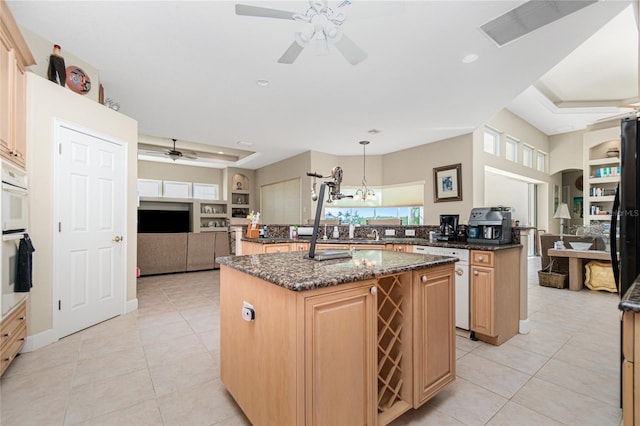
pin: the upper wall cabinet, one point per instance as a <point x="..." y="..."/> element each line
<point x="14" y="58"/>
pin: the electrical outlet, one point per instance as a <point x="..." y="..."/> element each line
<point x="409" y="232"/>
<point x="389" y="232"/>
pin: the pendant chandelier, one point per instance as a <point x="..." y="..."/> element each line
<point x="364" y="193"/>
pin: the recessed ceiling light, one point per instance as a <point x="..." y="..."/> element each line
<point x="471" y="57"/>
<point x="220" y="152"/>
<point x="262" y="83"/>
<point x="373" y="131"/>
<point x="244" y="143"/>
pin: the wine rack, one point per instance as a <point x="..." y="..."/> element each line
<point x="394" y="343"/>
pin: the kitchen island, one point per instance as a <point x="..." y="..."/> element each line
<point x="343" y="341"/>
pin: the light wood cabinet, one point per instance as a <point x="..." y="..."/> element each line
<point x="14" y="58"/>
<point x="404" y="248"/>
<point x="630" y="368"/>
<point x="340" y="344"/>
<point x="495" y="294"/>
<point x="358" y="353"/>
<point x="434" y="331"/>
<point x="13" y="332"/>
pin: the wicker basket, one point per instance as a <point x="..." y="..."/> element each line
<point x="548" y="278"/>
<point x="552" y="279"/>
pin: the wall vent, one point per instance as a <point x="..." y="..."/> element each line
<point x="530" y="16"/>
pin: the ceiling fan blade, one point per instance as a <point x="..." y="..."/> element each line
<point x="350" y="50"/>
<point x="291" y="54"/>
<point x="151" y="148"/>
<point x="190" y="156"/>
<point x="246" y="10"/>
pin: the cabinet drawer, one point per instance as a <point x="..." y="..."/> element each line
<point x="15" y="343"/>
<point x="276" y="248"/>
<point x="12" y="323"/>
<point x="484" y="258"/>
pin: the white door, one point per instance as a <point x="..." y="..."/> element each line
<point x="90" y="262"/>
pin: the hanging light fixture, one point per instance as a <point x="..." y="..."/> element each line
<point x="364" y="193"/>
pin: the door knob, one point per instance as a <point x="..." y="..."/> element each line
<point x="459" y="271"/>
<point x="423" y="278"/>
<point x="475" y="273"/>
<point x="374" y="290"/>
<point x="117" y="238"/>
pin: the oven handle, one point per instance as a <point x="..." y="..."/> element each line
<point x="14" y="236"/>
<point x="12" y="188"/>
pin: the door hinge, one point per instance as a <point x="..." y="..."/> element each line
<point x="59" y="226"/>
<point x="60" y="148"/>
<point x="59" y="305"/>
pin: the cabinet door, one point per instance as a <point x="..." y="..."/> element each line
<point x="434" y="331"/>
<point x="19" y="146"/>
<point x="404" y="248"/>
<point x="482" y="300"/>
<point x="340" y="348"/>
<point x="6" y="91"/>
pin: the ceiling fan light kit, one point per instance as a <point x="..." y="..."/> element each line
<point x="322" y="23"/>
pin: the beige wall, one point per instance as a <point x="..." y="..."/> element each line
<point x="417" y="164"/>
<point x="566" y="151"/>
<point x="178" y="172"/>
<point x="42" y="49"/>
<point x="47" y="101"/>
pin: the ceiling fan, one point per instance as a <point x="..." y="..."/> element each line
<point x="321" y="24"/>
<point x="174" y="154"/>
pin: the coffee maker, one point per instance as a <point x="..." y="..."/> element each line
<point x="490" y="225"/>
<point x="448" y="227"/>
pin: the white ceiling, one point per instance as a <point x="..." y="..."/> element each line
<point x="188" y="70"/>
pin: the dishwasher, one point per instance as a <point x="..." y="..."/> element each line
<point x="462" y="279"/>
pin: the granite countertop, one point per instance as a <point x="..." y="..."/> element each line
<point x="383" y="241"/>
<point x="295" y="272"/>
<point x="631" y="299"/>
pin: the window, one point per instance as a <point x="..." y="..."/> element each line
<point x="511" y="149"/>
<point x="409" y="215"/>
<point x="540" y="160"/>
<point x="527" y="155"/>
<point x="491" y="141"/>
<point x="205" y="191"/>
<point x="149" y="188"/>
<point x="176" y="189"/>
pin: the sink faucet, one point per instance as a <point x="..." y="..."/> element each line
<point x="375" y="232"/>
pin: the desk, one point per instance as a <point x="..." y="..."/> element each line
<point x="575" y="263"/>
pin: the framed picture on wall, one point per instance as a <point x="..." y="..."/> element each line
<point x="447" y="183"/>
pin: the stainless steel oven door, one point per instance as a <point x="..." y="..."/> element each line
<point x="14" y="208"/>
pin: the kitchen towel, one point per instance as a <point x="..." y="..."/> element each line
<point x="24" y="269"/>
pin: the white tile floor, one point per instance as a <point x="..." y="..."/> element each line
<point x="159" y="366"/>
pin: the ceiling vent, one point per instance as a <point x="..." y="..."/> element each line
<point x="530" y="16"/>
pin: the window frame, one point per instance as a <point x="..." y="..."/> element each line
<point x="511" y="141"/>
<point x="527" y="149"/>
<point x="496" y="140"/>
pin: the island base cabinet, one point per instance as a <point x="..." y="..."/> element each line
<point x="339" y="352"/>
<point x="307" y="358"/>
<point x="495" y="294"/>
<point x="434" y="331"/>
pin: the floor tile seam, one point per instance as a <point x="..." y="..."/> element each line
<point x="536" y="410"/>
<point x="578" y="391"/>
<point x="494" y="392"/>
<point x="512" y="367"/>
<point x="119" y="409"/>
<point x="105" y="379"/>
<point x="582" y="394"/>
<point x="578" y="344"/>
<point x="528" y="408"/>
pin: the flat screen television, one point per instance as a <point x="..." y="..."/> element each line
<point x="159" y="221"/>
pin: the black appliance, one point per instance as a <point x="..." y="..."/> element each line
<point x="448" y="227"/>
<point x="625" y="256"/>
<point x="625" y="240"/>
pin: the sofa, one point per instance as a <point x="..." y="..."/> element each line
<point x="561" y="264"/>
